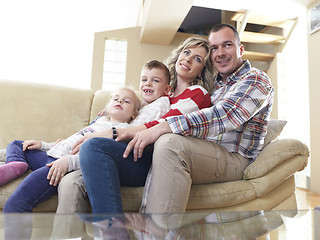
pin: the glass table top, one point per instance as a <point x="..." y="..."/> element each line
<point x="216" y="225"/>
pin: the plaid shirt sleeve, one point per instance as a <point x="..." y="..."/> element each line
<point x="233" y="105"/>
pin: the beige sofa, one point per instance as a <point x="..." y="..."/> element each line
<point x="45" y="112"/>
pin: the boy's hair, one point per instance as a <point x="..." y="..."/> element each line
<point x="157" y="64"/>
<point x="136" y="100"/>
<point x="220" y="26"/>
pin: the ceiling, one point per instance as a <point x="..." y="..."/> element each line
<point x="284" y="8"/>
<point x="198" y="16"/>
<point x="200" y="20"/>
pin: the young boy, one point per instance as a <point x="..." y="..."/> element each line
<point x="154" y="90"/>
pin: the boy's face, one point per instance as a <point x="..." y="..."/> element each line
<point x="121" y="107"/>
<point x="153" y="84"/>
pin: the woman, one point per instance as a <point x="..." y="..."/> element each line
<point x="102" y="164"/>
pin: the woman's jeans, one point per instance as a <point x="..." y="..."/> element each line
<point x="104" y="170"/>
<point x="35" y="188"/>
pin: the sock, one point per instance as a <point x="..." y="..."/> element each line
<point x="12" y="170"/>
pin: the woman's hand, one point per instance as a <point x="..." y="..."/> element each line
<point x="144" y="138"/>
<point x="31" y="144"/>
<point x="77" y="145"/>
<point x="58" y="169"/>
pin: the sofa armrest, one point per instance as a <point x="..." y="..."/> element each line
<point x="2" y="155"/>
<point x="274" y="154"/>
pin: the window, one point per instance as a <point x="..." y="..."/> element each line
<point x="114" y="67"/>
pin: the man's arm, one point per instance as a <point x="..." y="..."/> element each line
<point x="230" y="109"/>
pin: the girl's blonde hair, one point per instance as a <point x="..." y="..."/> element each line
<point x="206" y="80"/>
<point x="136" y="100"/>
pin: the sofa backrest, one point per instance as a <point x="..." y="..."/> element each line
<point x="100" y="100"/>
<point x="41" y="112"/>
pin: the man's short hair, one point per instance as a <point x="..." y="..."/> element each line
<point x="220" y="26"/>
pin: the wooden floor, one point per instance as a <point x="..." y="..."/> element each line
<point x="307" y="199"/>
<point x="302" y="230"/>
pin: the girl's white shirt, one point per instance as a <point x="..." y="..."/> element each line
<point x="147" y="113"/>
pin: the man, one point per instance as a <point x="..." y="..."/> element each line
<point x="214" y="144"/>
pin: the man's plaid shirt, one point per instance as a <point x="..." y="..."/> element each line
<point x="238" y="116"/>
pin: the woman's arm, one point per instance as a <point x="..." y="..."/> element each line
<point x="125" y="134"/>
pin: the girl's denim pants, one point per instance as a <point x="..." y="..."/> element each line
<point x="35" y="188"/>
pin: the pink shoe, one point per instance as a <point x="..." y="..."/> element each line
<point x="12" y="170"/>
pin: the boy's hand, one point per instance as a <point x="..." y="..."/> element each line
<point x="58" y="169"/>
<point x="59" y="140"/>
<point x="102" y="113"/>
<point x="76" y="147"/>
<point x="31" y="144"/>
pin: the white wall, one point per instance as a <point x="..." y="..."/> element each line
<point x="52" y="41"/>
<point x="314" y="73"/>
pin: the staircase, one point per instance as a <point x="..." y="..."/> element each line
<point x="266" y="34"/>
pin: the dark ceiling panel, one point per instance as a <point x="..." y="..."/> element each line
<point x="200" y="20"/>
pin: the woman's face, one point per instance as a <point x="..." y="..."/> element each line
<point x="190" y="63"/>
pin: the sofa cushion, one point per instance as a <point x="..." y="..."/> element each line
<point x="274" y="154"/>
<point x="100" y="100"/>
<point x="41" y="112"/>
<point x="2" y="155"/>
<point x="277" y="175"/>
<point x="274" y="128"/>
<point x="214" y="195"/>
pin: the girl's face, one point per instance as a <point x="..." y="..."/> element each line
<point x="190" y="63"/>
<point x="121" y="107"/>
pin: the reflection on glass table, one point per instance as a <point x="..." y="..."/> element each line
<point x="216" y="225"/>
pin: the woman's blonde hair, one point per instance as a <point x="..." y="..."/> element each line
<point x="206" y="79"/>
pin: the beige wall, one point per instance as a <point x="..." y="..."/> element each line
<point x="138" y="54"/>
<point x="314" y="84"/>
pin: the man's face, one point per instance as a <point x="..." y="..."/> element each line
<point x="226" y="53"/>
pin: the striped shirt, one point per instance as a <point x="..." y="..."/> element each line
<point x="192" y="99"/>
<point x="238" y="117"/>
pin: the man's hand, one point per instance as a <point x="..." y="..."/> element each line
<point x="135" y="221"/>
<point x="31" y="144"/>
<point x="144" y="138"/>
<point x="58" y="169"/>
<point x="77" y="145"/>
